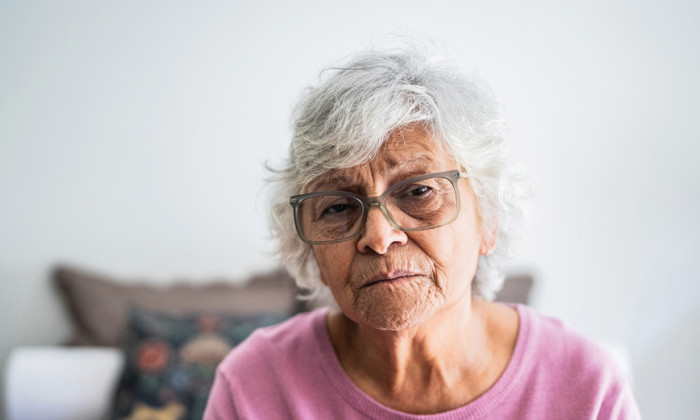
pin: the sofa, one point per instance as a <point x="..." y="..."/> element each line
<point x="143" y="351"/>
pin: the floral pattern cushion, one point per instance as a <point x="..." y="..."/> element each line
<point x="171" y="361"/>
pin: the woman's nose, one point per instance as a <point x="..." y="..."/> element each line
<point x="378" y="234"/>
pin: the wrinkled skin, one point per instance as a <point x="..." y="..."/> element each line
<point x="431" y="270"/>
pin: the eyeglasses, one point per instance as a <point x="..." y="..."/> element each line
<point x="419" y="203"/>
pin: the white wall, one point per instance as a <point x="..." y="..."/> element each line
<point x="132" y="138"/>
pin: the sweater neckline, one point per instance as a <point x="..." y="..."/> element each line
<point x="367" y="406"/>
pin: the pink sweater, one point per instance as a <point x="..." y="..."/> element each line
<point x="291" y="371"/>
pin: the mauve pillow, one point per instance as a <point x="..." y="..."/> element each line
<point x="516" y="289"/>
<point x="98" y="305"/>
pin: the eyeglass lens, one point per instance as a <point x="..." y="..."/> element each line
<point x="419" y="205"/>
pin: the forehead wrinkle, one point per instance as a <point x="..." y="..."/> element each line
<point x="418" y="160"/>
<point x="403" y="155"/>
<point x="394" y="169"/>
<point x="328" y="181"/>
<point x="338" y="179"/>
<point x="419" y="164"/>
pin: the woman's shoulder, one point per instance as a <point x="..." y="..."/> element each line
<point x="267" y="345"/>
<point x="572" y="365"/>
<point x="553" y="339"/>
<point x="256" y="374"/>
<point x="574" y="376"/>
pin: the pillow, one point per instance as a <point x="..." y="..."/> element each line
<point x="170" y="361"/>
<point x="98" y="305"/>
<point x="516" y="289"/>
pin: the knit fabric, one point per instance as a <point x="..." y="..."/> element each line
<point x="291" y="371"/>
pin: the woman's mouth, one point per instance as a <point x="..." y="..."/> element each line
<point x="392" y="277"/>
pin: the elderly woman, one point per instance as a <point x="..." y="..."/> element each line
<point x="404" y="205"/>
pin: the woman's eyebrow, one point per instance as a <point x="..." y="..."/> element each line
<point x="417" y="165"/>
<point x="418" y="158"/>
<point x="399" y="170"/>
<point x="330" y="182"/>
<point x="411" y="172"/>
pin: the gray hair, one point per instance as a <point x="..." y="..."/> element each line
<point x="344" y="121"/>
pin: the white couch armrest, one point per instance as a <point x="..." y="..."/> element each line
<point x="52" y="383"/>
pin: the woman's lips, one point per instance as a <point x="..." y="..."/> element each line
<point x="389" y="277"/>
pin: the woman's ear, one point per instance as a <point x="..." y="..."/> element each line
<point x="488" y="242"/>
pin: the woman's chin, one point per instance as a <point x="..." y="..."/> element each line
<point x="394" y="306"/>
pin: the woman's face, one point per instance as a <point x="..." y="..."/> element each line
<point x="387" y="278"/>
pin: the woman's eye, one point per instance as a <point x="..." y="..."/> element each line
<point x="416" y="190"/>
<point x="335" y="209"/>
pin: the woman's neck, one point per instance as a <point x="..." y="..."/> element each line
<point x="439" y="365"/>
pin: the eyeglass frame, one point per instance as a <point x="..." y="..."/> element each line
<point x="367" y="202"/>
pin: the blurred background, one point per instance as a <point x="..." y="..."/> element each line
<point x="133" y="138"/>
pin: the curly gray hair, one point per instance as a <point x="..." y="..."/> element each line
<point x="344" y="121"/>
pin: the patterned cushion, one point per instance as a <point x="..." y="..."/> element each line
<point x="171" y="361"/>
